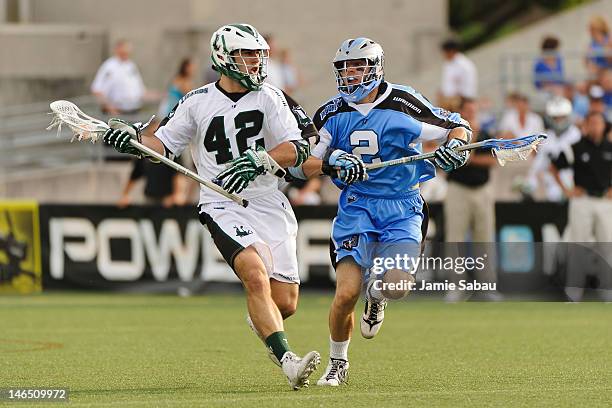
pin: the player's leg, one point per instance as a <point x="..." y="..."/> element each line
<point x="285" y="296"/>
<point x="267" y="318"/>
<point x="263" y="311"/>
<point x="400" y="244"/>
<point x="246" y="254"/>
<point x="341" y="321"/>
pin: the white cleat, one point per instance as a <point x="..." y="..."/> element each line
<point x="268" y="349"/>
<point x="335" y="374"/>
<point x="299" y="369"/>
<point x="372" y="317"/>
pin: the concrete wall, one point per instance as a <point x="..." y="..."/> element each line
<point x="47" y="61"/>
<point x="408" y="30"/>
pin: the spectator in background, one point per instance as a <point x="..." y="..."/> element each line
<point x="605" y="80"/>
<point x="562" y="134"/>
<point x="590" y="198"/>
<point x="275" y="69"/>
<point x="590" y="206"/>
<point x="600" y="48"/>
<point x="597" y="103"/>
<point x="291" y="75"/>
<point x="118" y="85"/>
<point x="302" y="192"/>
<point x="577" y="94"/>
<point x="469" y="207"/>
<point x="520" y="120"/>
<point x="181" y="84"/>
<point x="548" y="71"/>
<point x="162" y="185"/>
<point x="459" y="77"/>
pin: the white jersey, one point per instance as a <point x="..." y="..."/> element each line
<point x="219" y="127"/>
<point x="540" y="168"/>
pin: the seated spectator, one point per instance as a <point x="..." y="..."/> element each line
<point x="577" y="94"/>
<point x="520" y="121"/>
<point x="181" y="84"/>
<point x="605" y="80"/>
<point x="548" y="69"/>
<point x="600" y="49"/>
<point x="597" y="103"/>
<point x="459" y="77"/>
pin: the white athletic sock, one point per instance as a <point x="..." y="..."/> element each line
<point x="338" y="349"/>
<point x="372" y="292"/>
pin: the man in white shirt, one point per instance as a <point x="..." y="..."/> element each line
<point x="520" y="120"/>
<point x="118" y="84"/>
<point x="459" y="77"/>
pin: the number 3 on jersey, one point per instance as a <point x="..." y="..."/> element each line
<point x="248" y="124"/>
<point x="365" y="143"/>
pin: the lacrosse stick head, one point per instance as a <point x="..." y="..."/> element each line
<point x="83" y="126"/>
<point x="515" y="149"/>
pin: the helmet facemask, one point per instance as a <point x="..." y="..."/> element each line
<point x="356" y="78"/>
<point x="249" y="67"/>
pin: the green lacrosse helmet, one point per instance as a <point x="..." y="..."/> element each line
<point x="226" y="45"/>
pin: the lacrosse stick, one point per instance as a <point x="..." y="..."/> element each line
<point x="87" y="128"/>
<point x="504" y="150"/>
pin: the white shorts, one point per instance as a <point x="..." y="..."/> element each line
<point x="268" y="224"/>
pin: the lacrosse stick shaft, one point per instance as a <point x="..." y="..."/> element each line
<point x="423" y="156"/>
<point x="188" y="173"/>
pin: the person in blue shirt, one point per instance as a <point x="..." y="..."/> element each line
<point x="548" y="69"/>
<point x="380" y="212"/>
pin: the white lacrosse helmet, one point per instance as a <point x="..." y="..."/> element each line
<point x="373" y="56"/>
<point x="227" y="44"/>
<point x="558" y="107"/>
<point x="558" y="113"/>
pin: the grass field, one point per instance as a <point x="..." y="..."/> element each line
<point x="119" y="350"/>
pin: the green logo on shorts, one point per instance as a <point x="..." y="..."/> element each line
<point x="241" y="232"/>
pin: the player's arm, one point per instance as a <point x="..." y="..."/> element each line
<point x="332" y="162"/>
<point x="172" y="136"/>
<point x="291" y="132"/>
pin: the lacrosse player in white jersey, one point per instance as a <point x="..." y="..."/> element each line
<point x="243" y="133"/>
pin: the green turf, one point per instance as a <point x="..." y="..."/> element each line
<point x="112" y="350"/>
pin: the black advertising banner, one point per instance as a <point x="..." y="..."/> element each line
<point x="103" y="247"/>
<point x="153" y="249"/>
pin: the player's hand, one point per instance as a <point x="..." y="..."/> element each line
<point x="447" y="158"/>
<point x="344" y="166"/>
<point x="241" y="171"/>
<point x="119" y="135"/>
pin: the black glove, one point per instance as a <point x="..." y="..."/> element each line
<point x="119" y="135"/>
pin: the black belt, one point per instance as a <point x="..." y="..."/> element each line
<point x="596" y="193"/>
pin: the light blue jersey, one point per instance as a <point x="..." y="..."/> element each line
<point x="387" y="208"/>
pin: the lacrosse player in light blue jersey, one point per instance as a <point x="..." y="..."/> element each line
<point x="380" y="213"/>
